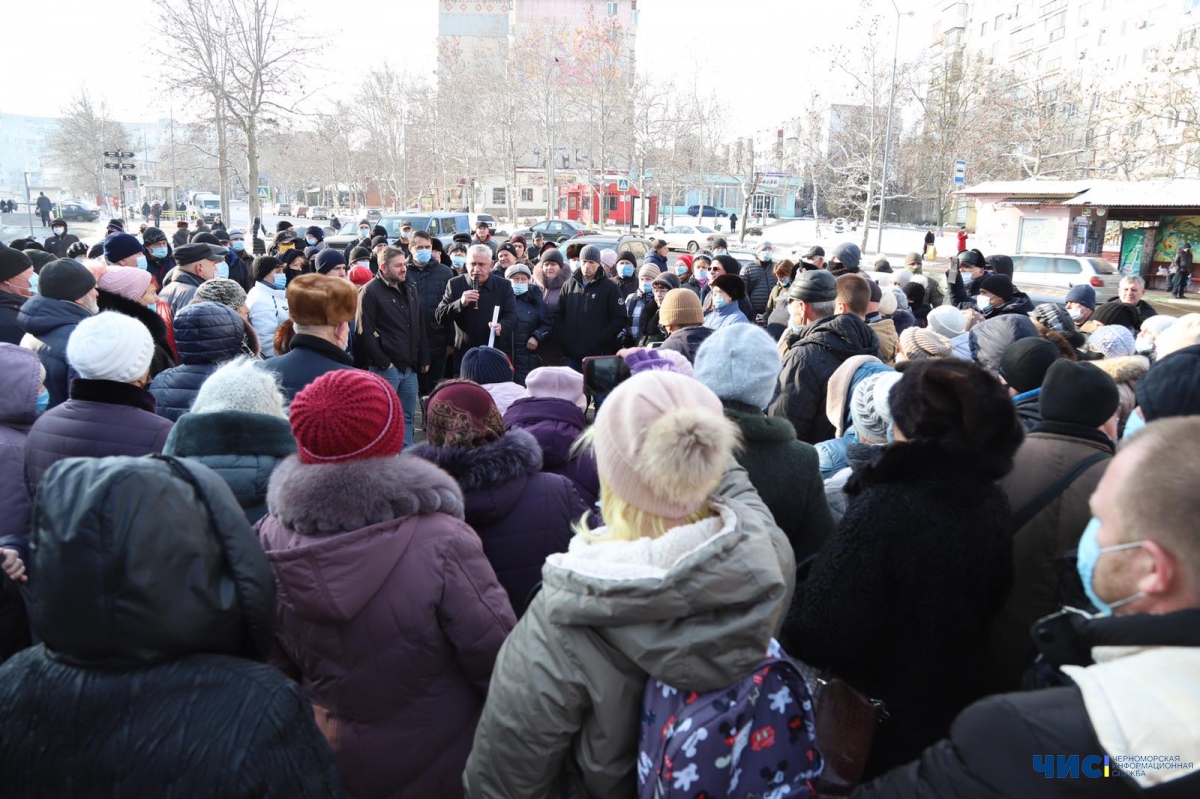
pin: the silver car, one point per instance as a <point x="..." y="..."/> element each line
<point x="1047" y="277"/>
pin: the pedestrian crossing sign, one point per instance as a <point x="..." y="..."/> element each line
<point x="264" y="192"/>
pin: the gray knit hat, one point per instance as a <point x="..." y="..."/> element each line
<point x="814" y="285"/>
<point x="848" y="254"/>
<point x="740" y="363"/>
<point x="517" y="269"/>
<point x="869" y="406"/>
<point x="590" y="253"/>
<point x="222" y="291"/>
<point x="240" y="385"/>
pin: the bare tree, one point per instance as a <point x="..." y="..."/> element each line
<point x="79" y="141"/>
<point x="382" y="109"/>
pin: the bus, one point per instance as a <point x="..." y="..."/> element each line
<point x="203" y="205"/>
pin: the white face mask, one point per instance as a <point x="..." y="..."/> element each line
<point x="983" y="302"/>
<point x="1076" y="314"/>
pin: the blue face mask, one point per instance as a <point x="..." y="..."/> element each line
<point x="238" y="246"/>
<point x="281" y="281"/>
<point x="647" y="287"/>
<point x="141" y="262"/>
<point x="795" y="328"/>
<point x="718" y="301"/>
<point x="153" y="306"/>
<point x="520" y="288"/>
<point x="1134" y="423"/>
<point x="33" y="283"/>
<point x="766" y="256"/>
<point x="720" y="252"/>
<point x="681" y="270"/>
<point x="702" y="276"/>
<point x="423" y="256"/>
<point x="966" y="278"/>
<point x="459" y="261"/>
<point x="363" y="232"/>
<point x="222" y="269"/>
<point x="785" y="283"/>
<point x="1085" y="561"/>
<point x="312" y="242"/>
<point x="159" y="252"/>
<point x="43" y="400"/>
<point x="626" y="270"/>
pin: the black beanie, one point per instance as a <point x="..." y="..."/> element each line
<point x="554" y="255"/>
<point x="282" y="225"/>
<point x="66" y="279"/>
<point x="205" y="238"/>
<point x="1172" y="386"/>
<point x="1024" y="364"/>
<point x="265" y="265"/>
<point x="731" y="265"/>
<point x="13" y="262"/>
<point x="1118" y="313"/>
<point x="731" y="285"/>
<point x="999" y="285"/>
<point x="40" y="259"/>
<point x="1078" y="393"/>
<point x="359" y="253"/>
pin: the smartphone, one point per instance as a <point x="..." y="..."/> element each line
<point x="603" y="373"/>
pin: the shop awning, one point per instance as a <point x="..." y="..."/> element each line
<point x="1179" y="193"/>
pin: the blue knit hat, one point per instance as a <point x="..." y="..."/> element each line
<point x="119" y="246"/>
<point x="485" y="365"/>
<point x="1084" y="294"/>
<point x="740" y="363"/>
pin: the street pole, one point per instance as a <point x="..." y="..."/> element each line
<point x="887" y="143"/>
<point x="174" y="202"/>
<point x="29" y="201"/>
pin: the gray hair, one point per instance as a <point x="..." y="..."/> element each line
<point x="483" y="248"/>
<point x="820" y="310"/>
<point x="1134" y="279"/>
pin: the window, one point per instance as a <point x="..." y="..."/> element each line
<point x="1054" y="65"/>
<point x="610" y="202"/>
<point x="499" y="196"/>
<point x="633" y="16"/>
<point x="983" y="29"/>
<point x="1135" y="129"/>
<point x="448" y="226"/>
<point x="638" y="248"/>
<point x="1148" y="55"/>
<point x="1067" y="266"/>
<point x="1187" y="39"/>
<point x="1031" y="263"/>
<point x="998" y="23"/>
<point x="526" y="195"/>
<point x="434" y="230"/>
<point x="612" y="9"/>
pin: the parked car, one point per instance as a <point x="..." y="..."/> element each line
<point x="439" y="224"/>
<point x="74" y="211"/>
<point x="318" y="212"/>
<point x="338" y="239"/>
<point x="555" y="230"/>
<point x="709" y="210"/>
<point x="637" y="245"/>
<point x="1047" y="277"/>
<point x="744" y="257"/>
<point x="373" y="213"/>
<point x="692" y="238"/>
<point x="283" y="209"/>
<point x="487" y="219"/>
<point x="302" y="211"/>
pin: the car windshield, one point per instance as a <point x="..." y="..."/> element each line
<point x="393" y="224"/>
<point x="349" y="229"/>
<point x="1102" y="267"/>
<point x="210" y="203"/>
<point x="702" y="229"/>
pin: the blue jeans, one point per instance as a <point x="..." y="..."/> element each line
<point x="405" y="383"/>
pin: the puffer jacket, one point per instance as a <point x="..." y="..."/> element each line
<point x="1019" y="304"/>
<point x="1044" y="572"/>
<point x="48" y="325"/>
<point x="388" y="615"/>
<point x="521" y="513"/>
<point x="10" y="307"/>
<point x="589" y="318"/>
<point x="533" y="321"/>
<point x="150" y="643"/>
<point x="759" y="278"/>
<point x="813" y="355"/>
<point x="206" y="334"/>
<point x="179" y="290"/>
<point x="18" y="398"/>
<point x="565" y="706"/>
<point x="990" y="338"/>
<point x="268" y="310"/>
<point x="687" y="341"/>
<point x="101" y="419"/>
<point x="243" y="448"/>
<point x="556" y="424"/>
<point x="430" y="282"/>
<point x="164" y="355"/>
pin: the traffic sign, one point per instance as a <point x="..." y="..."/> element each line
<point x="125" y="154"/>
<point x="112" y="165"/>
<point x="128" y="166"/>
<point x="623" y="184"/>
<point x="117" y="154"/>
<point x="264" y="192"/>
<point x="960" y="173"/>
<point x="128" y="177"/>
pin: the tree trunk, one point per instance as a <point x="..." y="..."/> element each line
<point x="251" y="170"/>
<point x="222" y="159"/>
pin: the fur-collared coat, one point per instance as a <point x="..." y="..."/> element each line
<point x="389" y="616"/>
<point x="521" y="513"/>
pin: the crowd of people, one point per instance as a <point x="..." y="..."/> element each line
<point x="418" y="518"/>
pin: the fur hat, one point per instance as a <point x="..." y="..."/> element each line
<point x="65" y="279"/>
<point x="920" y="343"/>
<point x="870" y="408"/>
<point x="460" y="413"/>
<point x="110" y="346"/>
<point x="126" y="281"/>
<point x="486" y="365"/>
<point x="740" y="363"/>
<point x="731" y="285"/>
<point x="662" y="443"/>
<point x="321" y="300"/>
<point x="347" y="415"/>
<point x="241" y="385"/>
<point x="1113" y="341"/>
<point x="948" y="321"/>
<point x="1078" y="393"/>
<point x="557" y="382"/>
<point x="681" y="308"/>
<point x="222" y="291"/>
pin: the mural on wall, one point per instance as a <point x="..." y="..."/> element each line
<point x="1174" y="231"/>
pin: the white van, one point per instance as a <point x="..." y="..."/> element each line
<point x="204" y="206"/>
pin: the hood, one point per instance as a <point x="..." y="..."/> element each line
<point x="554" y="423"/>
<point x="486" y="473"/>
<point x="200" y="435"/>
<point x="1029" y="407"/>
<point x="991" y="337"/>
<point x="113" y="591"/>
<point x="757" y="426"/>
<point x="357" y="519"/>
<point x="844" y="335"/>
<point x="40" y="315"/>
<point x="841" y="387"/>
<point x="22" y="372"/>
<point x="693" y="608"/>
<point x="687" y="341"/>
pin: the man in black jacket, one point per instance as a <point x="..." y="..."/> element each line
<point x="321" y="309"/>
<point x="469" y="301"/>
<point x="430" y="276"/>
<point x="589" y="316"/>
<point x="43" y="208"/>
<point x="61" y="240"/>
<point x="391" y="333"/>
<point x="1122" y="723"/>
<point x="159" y="260"/>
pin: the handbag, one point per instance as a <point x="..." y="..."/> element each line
<point x="846" y="723"/>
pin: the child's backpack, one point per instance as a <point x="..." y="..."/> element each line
<point x="753" y="739"/>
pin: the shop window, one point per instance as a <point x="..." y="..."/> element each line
<point x="499" y="196"/>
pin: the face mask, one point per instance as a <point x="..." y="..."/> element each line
<point x="58" y="231"/>
<point x="966" y="278"/>
<point x="33" y="283"/>
<point x="574" y="263"/>
<point x="718" y="302"/>
<point x="312" y="242"/>
<point x="1134" y="423"/>
<point x="702" y="276"/>
<point x="363" y="232"/>
<point x="785" y="283"/>
<point x="159" y="252"/>
<point x="766" y="256"/>
<point x="1085" y="561"/>
<point x="43" y="400"/>
<point x="152" y="306"/>
<point x="423" y="256"/>
<point x="681" y="270"/>
<point x="280" y="281"/>
<point x="1076" y="314"/>
<point x="720" y="252"/>
<point x="404" y="234"/>
<point x="286" y="247"/>
<point x="223" y="270"/>
<point x="141" y="262"/>
<point x="238" y="246"/>
<point x="647" y="288"/>
<point x="520" y="288"/>
<point x="795" y="328"/>
<point x="459" y="261"/>
<point x="983" y="303"/>
<point x="626" y="270"/>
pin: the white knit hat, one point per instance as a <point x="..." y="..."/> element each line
<point x="110" y="346"/>
<point x="870" y="407"/>
<point x="948" y="321"/>
<point x="240" y="385"/>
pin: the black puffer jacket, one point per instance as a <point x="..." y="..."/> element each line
<point x="1019" y="304"/>
<point x="533" y="321"/>
<point x="759" y="278"/>
<point x="589" y="318"/>
<point x="10" y="306"/>
<point x="146" y="682"/>
<point x="163" y="357"/>
<point x="206" y="334"/>
<point x="813" y="355"/>
<point x="687" y="341"/>
<point x="430" y="282"/>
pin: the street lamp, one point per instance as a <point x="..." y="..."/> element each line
<point x="887" y="143"/>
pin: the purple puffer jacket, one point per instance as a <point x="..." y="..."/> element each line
<point x="520" y="513"/>
<point x="556" y="424"/>
<point x="101" y="418"/>
<point x="389" y="616"/>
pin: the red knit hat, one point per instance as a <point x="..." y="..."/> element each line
<point x="347" y="415"/>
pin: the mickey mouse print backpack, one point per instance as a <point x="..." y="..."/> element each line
<point x="753" y="740"/>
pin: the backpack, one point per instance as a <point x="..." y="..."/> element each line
<point x="755" y="739"/>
